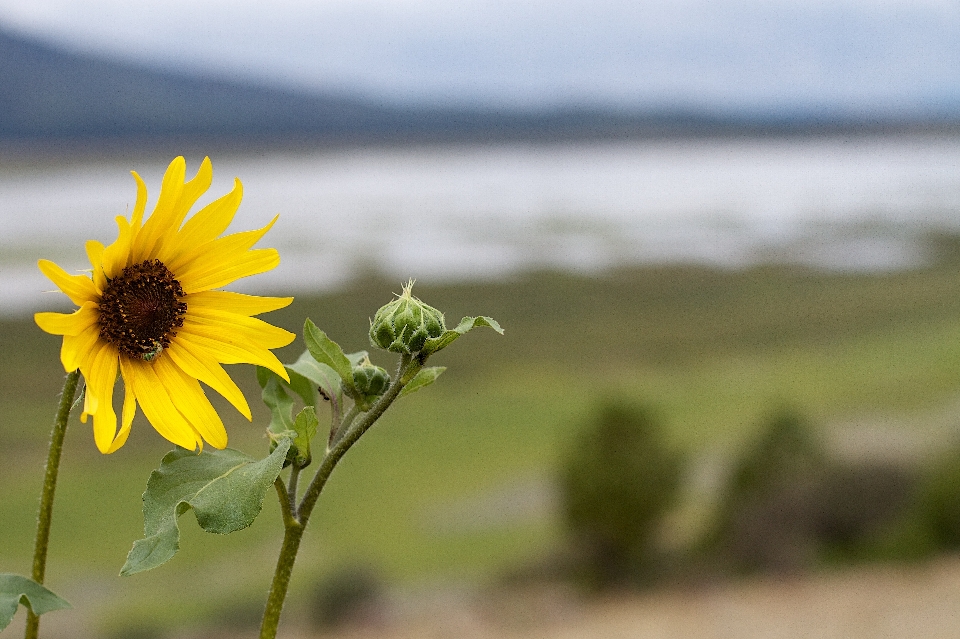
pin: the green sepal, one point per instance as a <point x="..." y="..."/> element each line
<point x="16" y="590"/>
<point x="424" y="377"/>
<point x="434" y="344"/>
<point x="225" y="488"/>
<point x="326" y="351"/>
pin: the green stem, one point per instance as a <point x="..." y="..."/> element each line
<point x="294" y="527"/>
<point x="348" y="439"/>
<point x="292" y="534"/>
<point x="286" y="505"/>
<point x="45" y="517"/>
<point x="292" y="488"/>
<point x="344" y="426"/>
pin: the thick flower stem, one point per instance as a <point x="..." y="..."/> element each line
<point x="292" y="534"/>
<point x="49" y="488"/>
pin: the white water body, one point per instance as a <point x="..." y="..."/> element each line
<point x="488" y="211"/>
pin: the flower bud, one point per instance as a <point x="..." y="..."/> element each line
<point x="405" y="324"/>
<point x="369" y="379"/>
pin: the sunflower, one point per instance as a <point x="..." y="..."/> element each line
<point x="151" y="310"/>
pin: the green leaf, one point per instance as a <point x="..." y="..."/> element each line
<point x="326" y="351"/>
<point x="225" y="488"/>
<point x="307" y="374"/>
<point x="305" y="427"/>
<point x="278" y="401"/>
<point x="16" y="590"/>
<point x="282" y="423"/>
<point x="434" y="344"/>
<point x="424" y="377"/>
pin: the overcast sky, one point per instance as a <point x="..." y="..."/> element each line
<point x="858" y="55"/>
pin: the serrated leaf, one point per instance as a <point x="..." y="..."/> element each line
<point x="16" y="590"/>
<point x="305" y="427"/>
<point x="434" y="344"/>
<point x="424" y="377"/>
<point x="306" y="374"/>
<point x="225" y="488"/>
<point x="326" y="351"/>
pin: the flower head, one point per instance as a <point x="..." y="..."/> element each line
<point x="151" y="309"/>
<point x="405" y="324"/>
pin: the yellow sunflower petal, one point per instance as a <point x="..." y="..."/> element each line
<point x="190" y="400"/>
<point x="129" y="411"/>
<point x="251" y="263"/>
<point x="101" y="376"/>
<point x="199" y="365"/>
<point x="79" y="288"/>
<point x="116" y="257"/>
<point x="164" y="214"/>
<point x="156" y="403"/>
<point x="246" y="329"/>
<point x="226" y="259"/>
<point x="95" y="251"/>
<point x="205" y="226"/>
<point x="77" y="348"/>
<point x="229" y="350"/>
<point x="192" y="191"/>
<point x="68" y="323"/>
<point x="136" y="220"/>
<point x="238" y="303"/>
<point x="119" y="440"/>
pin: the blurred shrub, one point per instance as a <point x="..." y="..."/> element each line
<point x="932" y="524"/>
<point x="762" y="523"/>
<point x="788" y="507"/>
<point x="352" y="594"/>
<point x="617" y="482"/>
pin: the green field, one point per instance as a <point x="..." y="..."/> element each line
<point x="711" y="349"/>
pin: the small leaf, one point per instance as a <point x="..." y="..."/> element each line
<point x="424" y="377"/>
<point x="306" y="374"/>
<point x="326" y="351"/>
<point x="305" y="427"/>
<point x="279" y="403"/>
<point x="225" y="488"/>
<point x="434" y="344"/>
<point x="15" y="590"/>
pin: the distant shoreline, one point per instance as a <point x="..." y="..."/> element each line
<point x="68" y="149"/>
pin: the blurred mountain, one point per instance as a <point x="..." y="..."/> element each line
<point x="51" y="94"/>
<point x="46" y="92"/>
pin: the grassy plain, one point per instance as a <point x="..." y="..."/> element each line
<point x="711" y="349"/>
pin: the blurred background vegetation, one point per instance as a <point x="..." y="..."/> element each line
<point x="772" y="418"/>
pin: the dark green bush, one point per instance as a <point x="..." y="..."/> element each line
<point x="618" y="481"/>
<point x="763" y="519"/>
<point x="933" y="523"/>
<point x="789" y="507"/>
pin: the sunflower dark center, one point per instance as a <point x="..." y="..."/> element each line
<point x="140" y="310"/>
